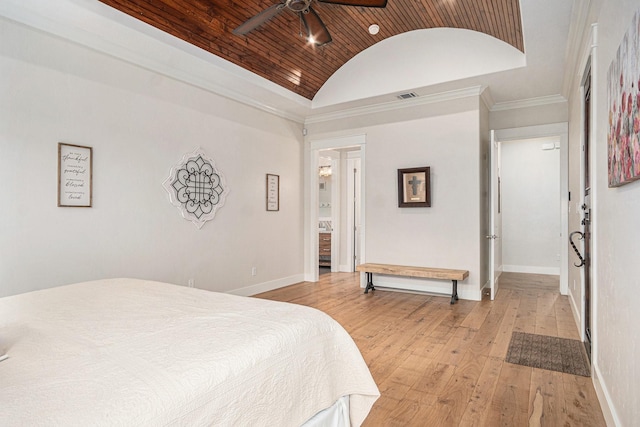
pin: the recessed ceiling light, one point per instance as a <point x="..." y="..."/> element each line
<point x="373" y="29"/>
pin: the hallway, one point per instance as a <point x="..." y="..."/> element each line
<point x="438" y="364"/>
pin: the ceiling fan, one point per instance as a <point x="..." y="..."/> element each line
<point x="317" y="32"/>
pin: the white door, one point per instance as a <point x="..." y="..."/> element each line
<point x="353" y="212"/>
<point x="495" y="228"/>
<point x="356" y="213"/>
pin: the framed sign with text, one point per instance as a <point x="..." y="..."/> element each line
<point x="273" y="192"/>
<point x="75" y="164"/>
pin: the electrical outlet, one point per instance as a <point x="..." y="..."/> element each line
<point x="191" y="283"/>
<point x="254" y="271"/>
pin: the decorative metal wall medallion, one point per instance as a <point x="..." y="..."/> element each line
<point x="196" y="187"/>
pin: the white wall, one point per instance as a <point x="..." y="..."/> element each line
<point x="408" y="57"/>
<point x="531" y="206"/>
<point x="445" y="137"/>
<point x="521" y="115"/>
<point x="139" y="124"/>
<point x="615" y="232"/>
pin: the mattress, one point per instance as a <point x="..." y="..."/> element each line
<point x="133" y="352"/>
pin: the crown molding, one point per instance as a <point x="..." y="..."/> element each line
<point x="486" y="97"/>
<point x="531" y="102"/>
<point x="99" y="27"/>
<point x="395" y="105"/>
<point x="575" y="45"/>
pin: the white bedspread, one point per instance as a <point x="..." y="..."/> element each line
<point x="132" y="352"/>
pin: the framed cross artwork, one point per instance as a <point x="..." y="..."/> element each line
<point x="414" y="188"/>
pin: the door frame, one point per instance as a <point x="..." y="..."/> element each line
<point x="589" y="57"/>
<point x="560" y="130"/>
<point x="313" y="148"/>
<point x="587" y="153"/>
<point x="353" y="161"/>
<point x="495" y="217"/>
<point x="336" y="179"/>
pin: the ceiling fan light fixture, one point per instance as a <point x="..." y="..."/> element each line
<point x="374" y="29"/>
<point x="317" y="33"/>
<point x="298" y="5"/>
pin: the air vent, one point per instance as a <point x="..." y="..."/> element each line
<point x="408" y="95"/>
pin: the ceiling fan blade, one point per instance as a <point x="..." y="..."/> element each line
<point x="362" y="3"/>
<point x="262" y="17"/>
<point x="316" y="30"/>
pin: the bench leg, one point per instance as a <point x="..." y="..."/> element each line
<point x="369" y="283"/>
<point x="454" y="292"/>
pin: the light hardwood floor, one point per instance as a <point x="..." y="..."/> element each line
<point x="438" y="364"/>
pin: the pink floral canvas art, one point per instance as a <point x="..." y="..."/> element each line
<point x="623" y="139"/>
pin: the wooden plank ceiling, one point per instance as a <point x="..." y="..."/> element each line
<point x="278" y="52"/>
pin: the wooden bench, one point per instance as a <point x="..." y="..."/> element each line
<point x="403" y="270"/>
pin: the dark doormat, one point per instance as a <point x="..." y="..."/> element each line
<point x="551" y="353"/>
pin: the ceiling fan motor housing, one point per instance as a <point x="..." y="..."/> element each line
<point x="316" y="30"/>
<point x="298" y="5"/>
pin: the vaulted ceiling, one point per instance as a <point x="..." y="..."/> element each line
<point x="278" y="52"/>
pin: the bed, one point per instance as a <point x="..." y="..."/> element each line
<point x="133" y="352"/>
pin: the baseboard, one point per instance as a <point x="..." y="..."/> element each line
<point x="576" y="315"/>
<point x="608" y="410"/>
<point x="267" y="286"/>
<point x="487" y="287"/>
<point x="531" y="269"/>
<point x="344" y="268"/>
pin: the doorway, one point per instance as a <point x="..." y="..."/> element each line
<point x="346" y="213"/>
<point x="329" y="181"/>
<point x="530" y="199"/>
<point x="339" y="209"/>
<point x="545" y="140"/>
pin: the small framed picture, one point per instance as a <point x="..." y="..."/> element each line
<point x="75" y="164"/>
<point x="273" y="192"/>
<point x="414" y="188"/>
